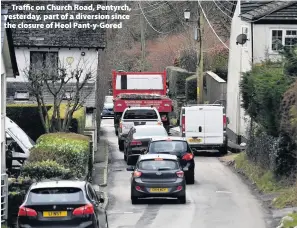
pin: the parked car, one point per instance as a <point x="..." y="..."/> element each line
<point x="138" y="138"/>
<point x="61" y="204"/>
<point x="176" y="146"/>
<point x="157" y="175"/>
<point x="204" y="127"/>
<point x="134" y="116"/>
<point x="107" y="110"/>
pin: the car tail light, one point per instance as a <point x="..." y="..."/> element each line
<point x="121" y="125"/>
<point x="188" y="156"/>
<point x="24" y="211"/>
<point x="179" y="188"/>
<point x="159" y="123"/>
<point x="137" y="174"/>
<point x="180" y="173"/>
<point x="84" y="210"/>
<point x="224" y="121"/>
<point x="135" y="143"/>
<point x="164" y="118"/>
<point x="138" y="188"/>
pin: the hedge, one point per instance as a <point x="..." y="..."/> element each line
<point x="68" y="149"/>
<point x="27" y="117"/>
<point x="78" y="118"/>
<point x="191" y="88"/>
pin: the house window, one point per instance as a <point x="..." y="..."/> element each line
<point x="277" y="40"/>
<point x="283" y="37"/>
<point x="44" y="62"/>
<point x="291" y="38"/>
<point x="21" y="95"/>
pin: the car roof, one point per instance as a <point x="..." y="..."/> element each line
<point x="59" y="184"/>
<point x="148" y="126"/>
<point x="153" y="156"/>
<point x="137" y="108"/>
<point x="170" y="138"/>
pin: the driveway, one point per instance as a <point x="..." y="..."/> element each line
<point x="218" y="199"/>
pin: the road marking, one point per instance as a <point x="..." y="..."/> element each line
<point x="227" y="192"/>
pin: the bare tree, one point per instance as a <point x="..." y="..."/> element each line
<point x="63" y="84"/>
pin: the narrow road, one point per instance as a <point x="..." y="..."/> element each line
<point x="218" y="199"/>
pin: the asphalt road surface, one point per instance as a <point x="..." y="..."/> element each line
<point x="218" y="199"/>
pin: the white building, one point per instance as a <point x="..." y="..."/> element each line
<point x="9" y="69"/>
<point x="265" y="23"/>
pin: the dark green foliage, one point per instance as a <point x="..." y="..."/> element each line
<point x="262" y="89"/>
<point x="45" y="170"/>
<point x="191" y="88"/>
<point x="290" y="63"/>
<point x="27" y="117"/>
<point x="67" y="149"/>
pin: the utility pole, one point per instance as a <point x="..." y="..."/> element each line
<point x="142" y="43"/>
<point x="199" y="69"/>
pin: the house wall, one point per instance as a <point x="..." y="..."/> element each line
<point x="262" y="41"/>
<point x="239" y="61"/>
<point x="89" y="61"/>
<point x="3" y="114"/>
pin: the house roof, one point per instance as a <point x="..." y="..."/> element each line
<point x="7" y="32"/>
<point x="268" y="10"/>
<point x="58" y="37"/>
<point x="12" y="87"/>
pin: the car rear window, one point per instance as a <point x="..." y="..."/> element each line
<point x="141" y="114"/>
<point x="151" y="131"/>
<point x="172" y="147"/>
<point x="55" y="195"/>
<point x="158" y="165"/>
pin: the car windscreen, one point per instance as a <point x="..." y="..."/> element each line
<point x="155" y="165"/>
<point x="55" y="196"/>
<point x="141" y="114"/>
<point x="172" y="147"/>
<point x="150" y="131"/>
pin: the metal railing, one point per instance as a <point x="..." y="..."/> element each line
<point x="4" y="197"/>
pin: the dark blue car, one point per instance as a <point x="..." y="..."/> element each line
<point x="107" y="110"/>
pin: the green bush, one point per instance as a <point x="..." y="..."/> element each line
<point x="46" y="170"/>
<point x="68" y="149"/>
<point x="262" y="90"/>
<point x="78" y="118"/>
<point x="27" y="117"/>
<point x="191" y="88"/>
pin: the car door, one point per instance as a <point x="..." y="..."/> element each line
<point x="94" y="201"/>
<point x="101" y="213"/>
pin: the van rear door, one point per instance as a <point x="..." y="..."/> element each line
<point x="213" y="125"/>
<point x="194" y="125"/>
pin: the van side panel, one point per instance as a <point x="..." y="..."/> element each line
<point x="213" y="128"/>
<point x="194" y="119"/>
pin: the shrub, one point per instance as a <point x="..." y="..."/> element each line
<point x="68" y="149"/>
<point x="46" y="170"/>
<point x="27" y="117"/>
<point x="191" y="88"/>
<point x="78" y="118"/>
<point x="262" y="89"/>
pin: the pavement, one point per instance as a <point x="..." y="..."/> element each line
<point x="219" y="198"/>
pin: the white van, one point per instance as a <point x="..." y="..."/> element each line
<point x="204" y="126"/>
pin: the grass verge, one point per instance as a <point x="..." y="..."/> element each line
<point x="265" y="182"/>
<point x="291" y="224"/>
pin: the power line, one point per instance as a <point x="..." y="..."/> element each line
<point x="211" y="26"/>
<point x="221" y="9"/>
<point x="221" y="4"/>
<point x="150" y="23"/>
<point x="137" y="14"/>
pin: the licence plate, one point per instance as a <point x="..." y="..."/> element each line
<point x="195" y="140"/>
<point x="159" y="190"/>
<point x="54" y="213"/>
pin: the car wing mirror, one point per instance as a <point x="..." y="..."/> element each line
<point x="130" y="168"/>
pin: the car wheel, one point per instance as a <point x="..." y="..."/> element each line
<point x="134" y="200"/>
<point x="223" y="150"/>
<point x="190" y="178"/>
<point x="182" y="199"/>
<point x="121" y="145"/>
